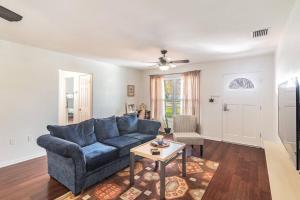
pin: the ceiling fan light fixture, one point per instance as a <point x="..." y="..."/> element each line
<point x="172" y="65"/>
<point x="165" y="63"/>
<point x="164" y="67"/>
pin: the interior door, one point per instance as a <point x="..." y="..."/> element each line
<point x="241" y="109"/>
<point x="85" y="97"/>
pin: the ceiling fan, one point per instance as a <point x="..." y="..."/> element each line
<point x="164" y="63"/>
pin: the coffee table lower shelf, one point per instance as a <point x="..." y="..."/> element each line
<point x="162" y="164"/>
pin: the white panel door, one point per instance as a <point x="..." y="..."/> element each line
<point x="241" y="109"/>
<point x="85" y="97"/>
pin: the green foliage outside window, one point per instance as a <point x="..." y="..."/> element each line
<point x="172" y="97"/>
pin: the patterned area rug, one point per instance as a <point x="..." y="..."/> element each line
<point x="193" y="186"/>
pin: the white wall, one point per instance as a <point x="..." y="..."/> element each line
<point x="212" y="84"/>
<point x="284" y="179"/>
<point x="29" y="94"/>
<point x="287" y="59"/>
<point x="288" y="52"/>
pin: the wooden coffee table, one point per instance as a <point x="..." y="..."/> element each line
<point x="167" y="155"/>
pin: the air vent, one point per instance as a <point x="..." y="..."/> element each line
<point x="9" y="15"/>
<point x="260" y="33"/>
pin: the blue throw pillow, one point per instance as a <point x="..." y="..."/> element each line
<point x="81" y="133"/>
<point x="127" y="124"/>
<point x="106" y="128"/>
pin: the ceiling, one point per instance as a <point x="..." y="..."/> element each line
<point x="131" y="32"/>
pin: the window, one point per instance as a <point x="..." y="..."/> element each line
<point x="241" y="83"/>
<point x="173" y="96"/>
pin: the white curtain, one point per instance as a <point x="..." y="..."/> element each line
<point x="191" y="95"/>
<point x="157" y="94"/>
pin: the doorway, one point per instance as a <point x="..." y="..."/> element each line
<point x="75" y="97"/>
<point x="242" y="109"/>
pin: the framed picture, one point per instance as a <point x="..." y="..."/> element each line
<point x="130" y="90"/>
<point x="130" y="108"/>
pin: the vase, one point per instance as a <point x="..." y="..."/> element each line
<point x="167" y="130"/>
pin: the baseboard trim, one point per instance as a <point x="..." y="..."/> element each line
<point x="22" y="159"/>
<point x="243" y="144"/>
<point x="221" y="140"/>
<point x="211" y="138"/>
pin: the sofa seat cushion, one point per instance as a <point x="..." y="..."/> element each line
<point x="106" y="128"/>
<point x="127" y="124"/>
<point x="141" y="137"/>
<point x="123" y="143"/>
<point x="98" y="154"/>
<point x="81" y="133"/>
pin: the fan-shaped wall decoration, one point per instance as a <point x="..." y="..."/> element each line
<point x="241" y="83"/>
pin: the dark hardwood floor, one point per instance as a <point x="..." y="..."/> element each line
<point x="242" y="175"/>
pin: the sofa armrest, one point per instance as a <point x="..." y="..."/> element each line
<point x="150" y="127"/>
<point x="64" y="148"/>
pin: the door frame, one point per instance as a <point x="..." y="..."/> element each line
<point x="259" y="100"/>
<point x="62" y="74"/>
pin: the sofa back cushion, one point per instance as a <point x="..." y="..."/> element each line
<point x="127" y="124"/>
<point x="106" y="128"/>
<point x="81" y="133"/>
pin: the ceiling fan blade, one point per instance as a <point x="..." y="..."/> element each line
<point x="9" y="15"/>
<point x="180" y="61"/>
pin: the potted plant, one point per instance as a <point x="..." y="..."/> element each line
<point x="166" y="124"/>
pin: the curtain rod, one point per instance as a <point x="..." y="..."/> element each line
<point x="173" y="73"/>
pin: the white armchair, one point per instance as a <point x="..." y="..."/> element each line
<point x="184" y="127"/>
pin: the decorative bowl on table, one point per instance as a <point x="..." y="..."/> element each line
<point x="159" y="144"/>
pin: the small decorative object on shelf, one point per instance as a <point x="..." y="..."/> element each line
<point x="130" y="108"/>
<point x="143" y="113"/>
<point x="143" y="106"/>
<point x="166" y="123"/>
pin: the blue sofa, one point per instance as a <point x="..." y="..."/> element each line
<point x="80" y="155"/>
